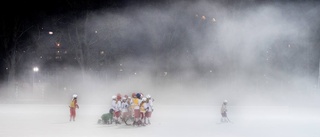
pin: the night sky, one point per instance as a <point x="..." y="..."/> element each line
<point x="29" y="14"/>
<point x="33" y="13"/>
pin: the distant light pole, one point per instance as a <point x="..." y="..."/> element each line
<point x="35" y="70"/>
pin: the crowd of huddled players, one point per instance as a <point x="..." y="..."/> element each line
<point x="135" y="110"/>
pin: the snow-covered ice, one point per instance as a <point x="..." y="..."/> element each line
<point x="52" y="120"/>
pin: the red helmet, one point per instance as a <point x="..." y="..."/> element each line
<point x="133" y="95"/>
<point x="118" y="96"/>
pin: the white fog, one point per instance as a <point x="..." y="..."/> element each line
<point x="261" y="58"/>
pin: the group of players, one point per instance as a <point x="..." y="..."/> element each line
<point x="135" y="110"/>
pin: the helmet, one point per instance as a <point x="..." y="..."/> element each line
<point x="225" y="101"/>
<point x="148" y="96"/>
<point x="119" y="96"/>
<point x="126" y="96"/>
<point x="138" y="95"/>
<point x="74" y="95"/>
<point x="144" y="99"/>
<point x="114" y="97"/>
<point x="133" y="95"/>
<point x="111" y="110"/>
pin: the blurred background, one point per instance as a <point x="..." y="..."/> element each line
<point x="180" y="52"/>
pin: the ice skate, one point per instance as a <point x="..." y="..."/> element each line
<point x="134" y="123"/>
<point x="99" y="121"/>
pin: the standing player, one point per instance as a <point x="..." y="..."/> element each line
<point x="125" y="109"/>
<point x="149" y="108"/>
<point x="116" y="106"/>
<point x="136" y="100"/>
<point x="143" y="108"/>
<point x="73" y="106"/>
<point x="224" y="118"/>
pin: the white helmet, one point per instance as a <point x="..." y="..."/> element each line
<point x="74" y="95"/>
<point x="148" y="96"/>
<point x="114" y="97"/>
<point x="144" y="99"/>
<point x="225" y="101"/>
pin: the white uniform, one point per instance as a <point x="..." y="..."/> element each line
<point x="150" y="105"/>
<point x="116" y="106"/>
<point x="125" y="106"/>
<point x="149" y="109"/>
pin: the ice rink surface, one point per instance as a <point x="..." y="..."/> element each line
<point x="52" y="120"/>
